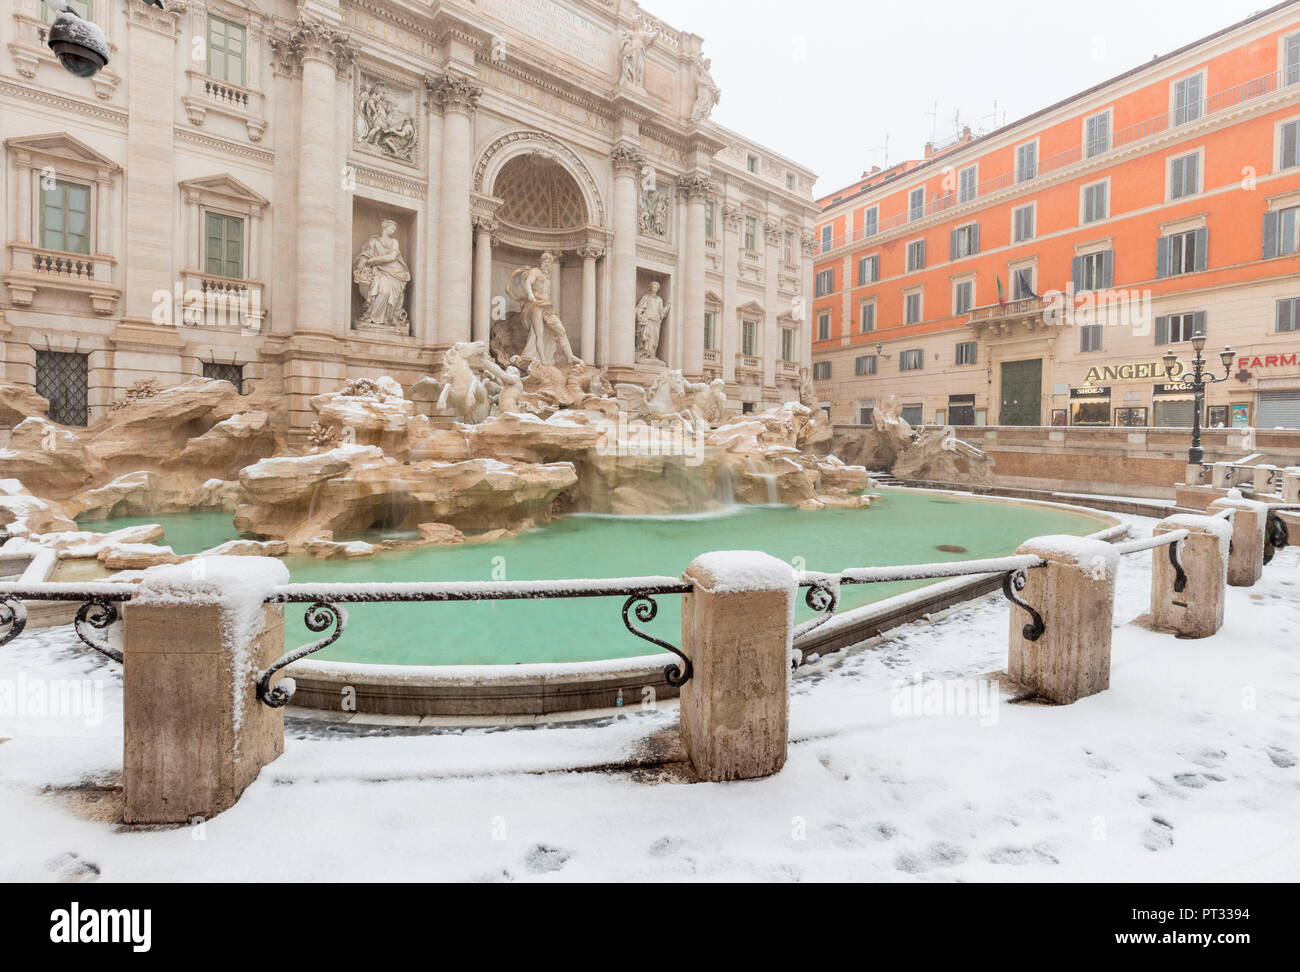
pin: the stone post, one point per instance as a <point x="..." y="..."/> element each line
<point x="196" y="734"/>
<point x="1291" y="485"/>
<point x="458" y="97"/>
<point x="1075" y="594"/>
<point x="1262" y="482"/>
<point x="589" y="255"/>
<point x="627" y="164"/>
<point x="1246" y="562"/>
<point x="736" y="630"/>
<point x="483" y="278"/>
<point x="1196" y="611"/>
<point x="1221" y="475"/>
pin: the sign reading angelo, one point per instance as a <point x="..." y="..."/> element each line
<point x="556" y="27"/>
<point x="1130" y="372"/>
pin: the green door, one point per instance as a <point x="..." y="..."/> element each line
<point x="1022" y="393"/>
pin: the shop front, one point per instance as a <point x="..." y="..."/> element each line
<point x="1173" y="405"/>
<point x="1090" y="405"/>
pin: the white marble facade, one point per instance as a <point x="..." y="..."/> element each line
<point x="314" y="166"/>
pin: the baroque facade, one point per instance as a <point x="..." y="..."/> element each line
<point x="292" y="195"/>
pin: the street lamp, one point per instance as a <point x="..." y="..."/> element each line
<point x="1200" y="380"/>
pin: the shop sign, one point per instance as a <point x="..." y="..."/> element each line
<point x="1131" y="372"/>
<point x="1268" y="361"/>
<point x="1102" y="392"/>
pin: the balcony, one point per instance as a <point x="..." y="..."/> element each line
<point x="749" y="363"/>
<point x="205" y="93"/>
<point x="1001" y="318"/>
<point x="33" y="269"/>
<point x="224" y="302"/>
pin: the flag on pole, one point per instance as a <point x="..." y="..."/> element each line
<point x="1002" y="298"/>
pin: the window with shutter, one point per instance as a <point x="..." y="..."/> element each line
<point x="916" y="255"/>
<point x="1162" y="330"/>
<point x="65" y="217"/>
<point x="1288" y="314"/>
<point x="1027" y="162"/>
<point x="871" y="221"/>
<point x="823" y="329"/>
<point x="963" y="297"/>
<point x="1187" y="100"/>
<point x="825" y="282"/>
<point x="1291" y="60"/>
<point x="968" y="185"/>
<point x="827" y="237"/>
<point x="916" y="204"/>
<point x="224" y="253"/>
<point x="1098" y="135"/>
<point x="1290" y="154"/>
<point x="1090" y="337"/>
<point x="1094" y="202"/>
<point x="1024" y="224"/>
<point x="912" y="309"/>
<point x="1280" y="232"/>
<point x="1184" y="176"/>
<point x="867" y="318"/>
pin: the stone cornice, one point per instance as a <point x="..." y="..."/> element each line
<point x="225" y="146"/>
<point x="63" y="104"/>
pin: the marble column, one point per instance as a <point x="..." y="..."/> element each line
<point x="772" y="304"/>
<point x="486" y="227"/>
<point x="322" y="51"/>
<point x="726" y="338"/>
<point x="696" y="188"/>
<point x="627" y="171"/>
<point x="458" y="97"/>
<point x="589" y="254"/>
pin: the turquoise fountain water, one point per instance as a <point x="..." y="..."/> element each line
<point x="905" y="528"/>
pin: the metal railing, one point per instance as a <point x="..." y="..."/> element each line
<point x="1209" y="107"/>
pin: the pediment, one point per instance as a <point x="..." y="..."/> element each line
<point x="226" y="186"/>
<point x="63" y="146"/>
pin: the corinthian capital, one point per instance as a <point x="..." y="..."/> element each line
<point x="696" y="186"/>
<point x="590" y="251"/>
<point x="311" y="40"/>
<point x="452" y="92"/>
<point x="625" y="158"/>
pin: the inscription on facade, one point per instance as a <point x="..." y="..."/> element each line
<point x="557" y="27"/>
<point x="388" y="33"/>
<point x="551" y="104"/>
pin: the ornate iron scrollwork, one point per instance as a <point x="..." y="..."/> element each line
<point x="645" y="608"/>
<point x="1016" y="580"/>
<point x="320" y="616"/>
<point x="97" y="614"/>
<point x="823" y="597"/>
<point x="13" y="615"/>
<point x="1180" y="576"/>
<point x="1276" y="536"/>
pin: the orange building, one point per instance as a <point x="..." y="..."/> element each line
<point x="1036" y="275"/>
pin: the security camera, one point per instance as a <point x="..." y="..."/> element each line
<point x="80" y="45"/>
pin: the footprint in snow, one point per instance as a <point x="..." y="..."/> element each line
<point x="666" y="847"/>
<point x="1282" y="758"/>
<point x="1159" y="836"/>
<point x="542" y="859"/>
<point x="73" y="868"/>
<point x="1020" y="856"/>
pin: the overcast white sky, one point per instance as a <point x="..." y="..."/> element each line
<point x="824" y="81"/>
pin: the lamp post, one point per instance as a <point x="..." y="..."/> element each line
<point x="1200" y="380"/>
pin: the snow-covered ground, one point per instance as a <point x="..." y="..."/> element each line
<point x="1186" y="769"/>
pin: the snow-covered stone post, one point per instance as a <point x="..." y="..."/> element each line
<point x="1221" y="475"/>
<point x="1291" y="485"/>
<point x="737" y="628"/>
<point x="1246" y="562"/>
<point x="194" y="639"/>
<point x="1075" y="594"/>
<point x="1197" y="610"/>
<point x="1262" y="479"/>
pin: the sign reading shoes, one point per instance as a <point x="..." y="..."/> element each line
<point x="1131" y="372"/>
<point x="102" y="925"/>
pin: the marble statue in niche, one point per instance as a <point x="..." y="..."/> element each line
<point x="381" y="275"/>
<point x="650" y="313"/>
<point x="383" y="124"/>
<point x="548" y="340"/>
<point x="707" y="92"/>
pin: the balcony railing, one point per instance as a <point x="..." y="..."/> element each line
<point x="216" y="301"/>
<point x="1011" y="310"/>
<point x="1219" y="103"/>
<point x="33" y="268"/>
<point x="205" y="93"/>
